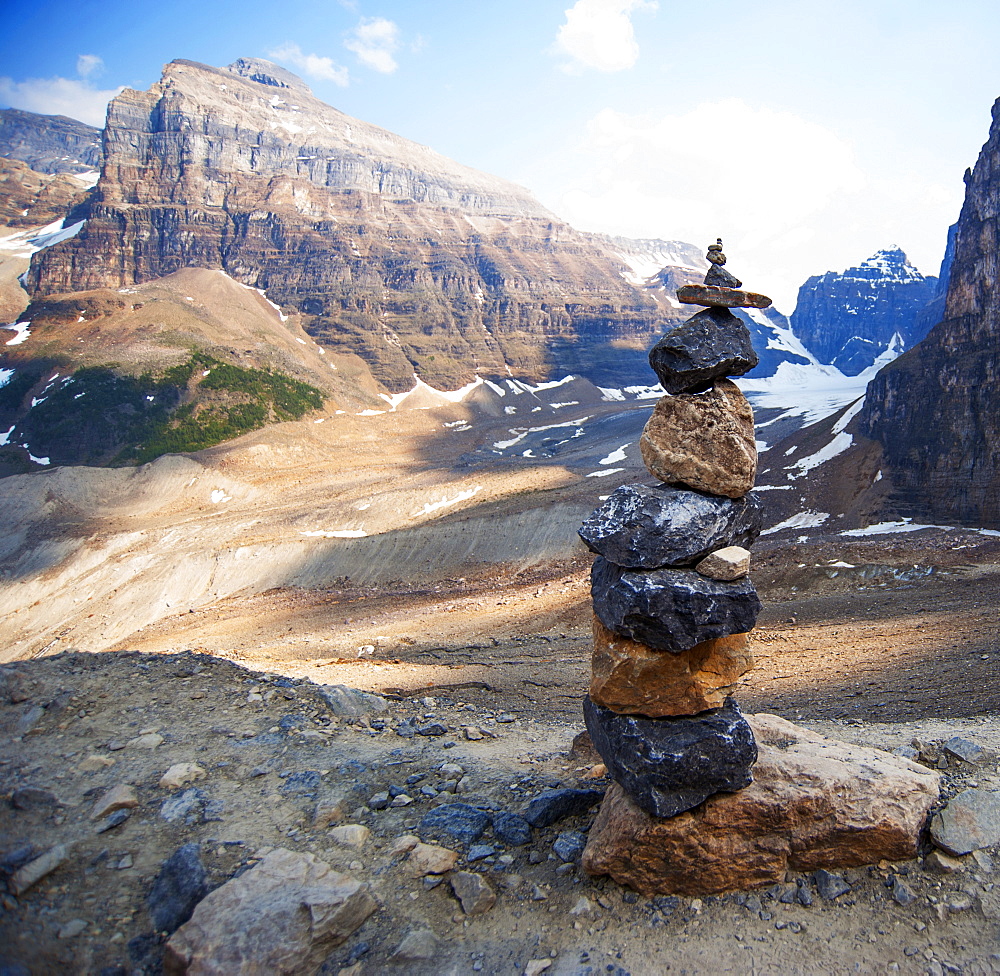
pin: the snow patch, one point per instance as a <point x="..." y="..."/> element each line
<point x="604" y="474"/>
<point x="445" y="502"/>
<point x="22" y="330"/>
<point x="838" y="445"/>
<point x="803" y="520"/>
<point x="219" y="496"/>
<point x="614" y="456"/>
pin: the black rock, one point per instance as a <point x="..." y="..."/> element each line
<point x="643" y="527"/>
<point x="829" y="885"/>
<point x="708" y="346"/>
<point x="511" y="829"/>
<point x="569" y="845"/>
<point x="902" y="893"/>
<point x="457" y="820"/>
<point x="671" y="609"/>
<point x="432" y="728"/>
<point x="178" y="888"/>
<point x="669" y="765"/>
<point x="721" y="278"/>
<point x="553" y="805"/>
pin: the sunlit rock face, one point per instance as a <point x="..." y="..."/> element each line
<point x="395" y="253"/>
<point x="934" y="410"/>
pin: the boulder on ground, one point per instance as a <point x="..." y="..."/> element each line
<point x="704" y="441"/>
<point x="282" y="916"/>
<point x="627" y="676"/>
<point x="814" y="803"/>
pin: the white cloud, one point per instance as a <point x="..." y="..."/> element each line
<point x="375" y="41"/>
<point x="89" y="64"/>
<point x="74" y="97"/>
<point x="599" y="34"/>
<point x="787" y="195"/>
<point x="313" y="65"/>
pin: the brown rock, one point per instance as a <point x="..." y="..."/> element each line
<point x="703" y="440"/>
<point x="430" y="859"/>
<point x="814" y="803"/>
<point x="120" y="797"/>
<point x="715" y="295"/>
<point x="282" y="916"/>
<point x="729" y="563"/>
<point x="629" y="677"/>
<point x="473" y="892"/>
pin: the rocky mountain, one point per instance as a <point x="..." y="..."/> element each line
<point x="934" y="411"/>
<point x="849" y="319"/>
<point x="49" y="143"/>
<point x="387" y="249"/>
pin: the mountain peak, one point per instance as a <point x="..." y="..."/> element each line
<point x="267" y="73"/>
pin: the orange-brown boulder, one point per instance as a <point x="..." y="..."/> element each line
<point x="703" y="440"/>
<point x="630" y="678"/>
<point x="814" y="803"/>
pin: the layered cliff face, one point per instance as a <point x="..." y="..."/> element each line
<point x="848" y="320"/>
<point x="49" y="143"/>
<point x="389" y="250"/>
<point x="935" y="409"/>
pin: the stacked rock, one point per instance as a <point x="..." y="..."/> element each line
<point x="672" y="599"/>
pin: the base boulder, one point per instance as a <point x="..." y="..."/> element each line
<point x="814" y="803"/>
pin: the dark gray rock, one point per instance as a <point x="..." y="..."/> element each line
<point x="432" y="728"/>
<point x="458" y="820"/>
<point x="669" y="765"/>
<point x="964" y="749"/>
<point x="179" y="886"/>
<point x="643" y="527"/>
<point x="113" y="820"/>
<point x="345" y="702"/>
<point x="830" y="886"/>
<point x="186" y="806"/>
<point x="671" y="609"/>
<point x="511" y="829"/>
<point x="970" y="822"/>
<point x="721" y="278"/>
<point x="902" y="893"/>
<point x="304" y="783"/>
<point x="478" y="851"/>
<point x="33" y="798"/>
<point x="569" y="845"/>
<point x="552" y="805"/>
<point x="708" y="346"/>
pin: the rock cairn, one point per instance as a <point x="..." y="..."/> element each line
<point x="673" y="603"/>
<point x="695" y="808"/>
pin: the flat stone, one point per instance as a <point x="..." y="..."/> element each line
<point x="671" y="609"/>
<point x="345" y="702"/>
<point x="551" y="806"/>
<point x="430" y="859"/>
<point x="180" y="774"/>
<point x="149" y="740"/>
<point x="284" y="915"/>
<point x="71" y="929"/>
<point x="964" y="749"/>
<point x="458" y="820"/>
<point x="629" y="677"/>
<point x="669" y="765"/>
<point x="719" y="297"/>
<point x="814" y="803"/>
<point x="643" y="527"/>
<point x="710" y="345"/>
<point x="943" y="863"/>
<point x="418" y="945"/>
<point x="729" y="563"/>
<point x="113" y="820"/>
<point x="703" y="441"/>
<point x="351" y="835"/>
<point x="472" y="891"/>
<point x="120" y="797"/>
<point x="180" y="885"/>
<point x="33" y="872"/>
<point x="970" y="822"/>
<point x="511" y="829"/>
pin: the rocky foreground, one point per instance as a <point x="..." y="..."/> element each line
<point x="432" y="835"/>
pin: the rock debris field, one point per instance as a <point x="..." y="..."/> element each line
<point x="155" y="799"/>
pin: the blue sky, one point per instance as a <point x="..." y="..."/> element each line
<point x="806" y="134"/>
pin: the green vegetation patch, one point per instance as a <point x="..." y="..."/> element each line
<point x="102" y="416"/>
